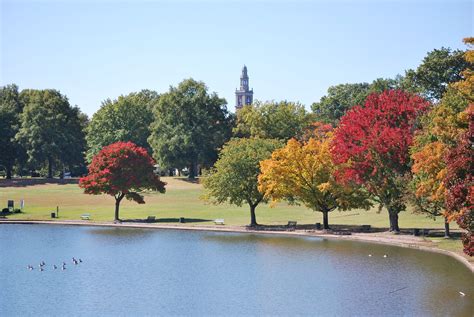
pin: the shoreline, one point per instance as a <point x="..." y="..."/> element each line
<point x="378" y="238"/>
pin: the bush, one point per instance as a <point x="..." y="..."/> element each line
<point x="5" y="210"/>
<point x="17" y="210"/>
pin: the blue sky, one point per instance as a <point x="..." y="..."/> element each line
<point x="294" y="50"/>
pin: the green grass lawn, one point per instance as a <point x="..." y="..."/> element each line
<point x="182" y="199"/>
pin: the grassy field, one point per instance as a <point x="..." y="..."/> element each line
<point x="182" y="199"/>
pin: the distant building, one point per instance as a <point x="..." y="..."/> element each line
<point x="244" y="95"/>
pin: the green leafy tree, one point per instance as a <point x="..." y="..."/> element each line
<point x="439" y="68"/>
<point x="341" y="98"/>
<point x="189" y="127"/>
<point x="272" y="120"/>
<point x="10" y="110"/>
<point x="51" y="130"/>
<point x="234" y="177"/>
<point x="125" y="119"/>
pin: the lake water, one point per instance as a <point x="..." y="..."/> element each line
<point x="136" y="272"/>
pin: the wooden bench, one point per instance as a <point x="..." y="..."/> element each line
<point x="150" y="219"/>
<point x="86" y="216"/>
<point x="219" y="221"/>
<point x="291" y="225"/>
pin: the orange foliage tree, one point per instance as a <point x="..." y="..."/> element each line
<point x="441" y="129"/>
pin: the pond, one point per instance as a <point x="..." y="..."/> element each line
<point x="139" y="272"/>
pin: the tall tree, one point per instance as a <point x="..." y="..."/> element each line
<point x="122" y="170"/>
<point x="439" y="68"/>
<point x="233" y="178"/>
<point x="341" y="98"/>
<point x="441" y="128"/>
<point x="272" y="120"/>
<point x="372" y="144"/>
<point x="303" y="172"/>
<point x="125" y="119"/>
<point x="459" y="182"/>
<point x="51" y="130"/>
<point x="189" y="126"/>
<point x="10" y="110"/>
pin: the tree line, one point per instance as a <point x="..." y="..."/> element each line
<point x="403" y="145"/>
<point x="390" y="142"/>
<point x="184" y="127"/>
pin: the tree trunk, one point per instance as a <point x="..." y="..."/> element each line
<point x="253" y="218"/>
<point x="50" y="168"/>
<point x="393" y="217"/>
<point x="446" y="228"/>
<point x="118" y="199"/>
<point x="9" y="172"/>
<point x="192" y="170"/>
<point x="325" y="220"/>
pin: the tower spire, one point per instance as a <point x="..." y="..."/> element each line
<point x="243" y="96"/>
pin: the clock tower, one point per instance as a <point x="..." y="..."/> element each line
<point x="244" y="95"/>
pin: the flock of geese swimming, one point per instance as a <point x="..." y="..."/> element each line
<point x="42" y="265"/>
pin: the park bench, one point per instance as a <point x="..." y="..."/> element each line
<point x="86" y="216"/>
<point x="291" y="225"/>
<point x="150" y="219"/>
<point x="219" y="221"/>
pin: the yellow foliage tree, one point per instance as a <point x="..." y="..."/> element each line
<point x="303" y="172"/>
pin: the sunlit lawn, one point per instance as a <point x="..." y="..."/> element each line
<point x="182" y="199"/>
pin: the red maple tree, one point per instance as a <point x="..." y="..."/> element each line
<point x="371" y="145"/>
<point x="459" y="183"/>
<point x="122" y="169"/>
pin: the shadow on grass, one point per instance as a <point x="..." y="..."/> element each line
<point x="24" y="182"/>
<point x="187" y="180"/>
<point x="335" y="228"/>
<point x="307" y="227"/>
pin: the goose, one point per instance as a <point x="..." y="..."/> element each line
<point x="462" y="294"/>
<point x="55" y="267"/>
<point x="385" y="256"/>
<point x="42" y="263"/>
<point x="80" y="261"/>
<point x="370" y="254"/>
<point x="41" y="269"/>
<point x="64" y="267"/>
